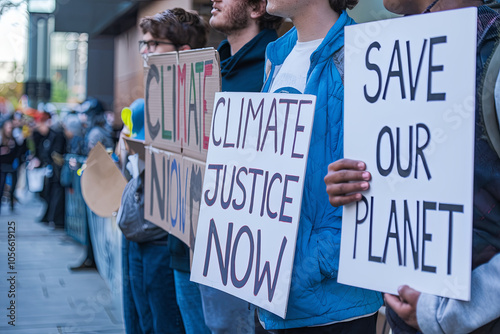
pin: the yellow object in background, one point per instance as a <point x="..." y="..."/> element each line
<point x="26" y="131"/>
<point x="127" y="119"/>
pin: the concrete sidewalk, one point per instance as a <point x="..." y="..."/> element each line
<point x="50" y="298"/>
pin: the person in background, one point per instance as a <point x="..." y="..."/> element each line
<point x="50" y="146"/>
<point x="249" y="29"/>
<point x="19" y="132"/>
<point x="98" y="128"/>
<point x="74" y="133"/>
<point x="412" y="311"/>
<point x="11" y="152"/>
<point x="6" y="110"/>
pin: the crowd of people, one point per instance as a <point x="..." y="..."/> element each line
<point x="40" y="139"/>
<point x="158" y="296"/>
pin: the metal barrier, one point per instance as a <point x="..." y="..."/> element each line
<point x="76" y="209"/>
<point x="90" y="229"/>
<point x="106" y="242"/>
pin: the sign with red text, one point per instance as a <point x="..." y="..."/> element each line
<point x="409" y="115"/>
<point x="179" y="94"/>
<point x="252" y="193"/>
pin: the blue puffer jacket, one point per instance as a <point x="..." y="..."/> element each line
<point x="315" y="296"/>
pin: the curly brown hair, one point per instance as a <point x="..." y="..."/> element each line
<point x="340" y="5"/>
<point x="266" y="21"/>
<point x="179" y="26"/>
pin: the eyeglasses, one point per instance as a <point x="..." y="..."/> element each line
<point x="151" y="45"/>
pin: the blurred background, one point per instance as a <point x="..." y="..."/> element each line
<point x="61" y="51"/>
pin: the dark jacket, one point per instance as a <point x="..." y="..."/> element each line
<point x="486" y="214"/>
<point x="10" y="151"/>
<point x="242" y="72"/>
<point x="49" y="146"/>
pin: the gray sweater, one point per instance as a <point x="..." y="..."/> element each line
<point x="444" y="315"/>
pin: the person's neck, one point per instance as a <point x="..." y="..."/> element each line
<point x="238" y="39"/>
<point x="455" y="4"/>
<point x="315" y="22"/>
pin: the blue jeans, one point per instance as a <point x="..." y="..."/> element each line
<point x="130" y="316"/>
<point x="153" y="288"/>
<point x="226" y="314"/>
<point x="189" y="301"/>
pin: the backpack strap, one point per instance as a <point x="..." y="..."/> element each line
<point x="490" y="98"/>
<point x="338" y="60"/>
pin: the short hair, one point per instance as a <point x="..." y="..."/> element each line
<point x="340" y="5"/>
<point x="179" y="26"/>
<point x="267" y="21"/>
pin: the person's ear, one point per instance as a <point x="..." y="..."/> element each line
<point x="258" y="10"/>
<point x="184" y="47"/>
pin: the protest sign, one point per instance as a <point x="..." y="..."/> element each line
<point x="135" y="146"/>
<point x="165" y="192"/>
<point x="195" y="171"/>
<point x="252" y="194"/>
<point x="172" y="195"/>
<point x="409" y="115"/>
<point x="179" y="92"/>
<point x="102" y="182"/>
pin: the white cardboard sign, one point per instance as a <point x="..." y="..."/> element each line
<point x="252" y="195"/>
<point x="409" y="114"/>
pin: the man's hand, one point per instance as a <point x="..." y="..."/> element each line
<point x="345" y="179"/>
<point x="405" y="305"/>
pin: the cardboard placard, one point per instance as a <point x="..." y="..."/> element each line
<point x="195" y="170"/>
<point x="135" y="146"/>
<point x="252" y="195"/>
<point x="180" y="89"/>
<point x="166" y="192"/>
<point x="409" y="115"/>
<point x="102" y="183"/>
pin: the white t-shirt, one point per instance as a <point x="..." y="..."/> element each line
<point x="292" y="75"/>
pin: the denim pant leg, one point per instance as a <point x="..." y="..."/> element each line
<point x="226" y="314"/>
<point x="130" y="316"/>
<point x="13" y="188"/>
<point x="3" y="178"/>
<point x="160" y="289"/>
<point x="136" y="275"/>
<point x="189" y="301"/>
